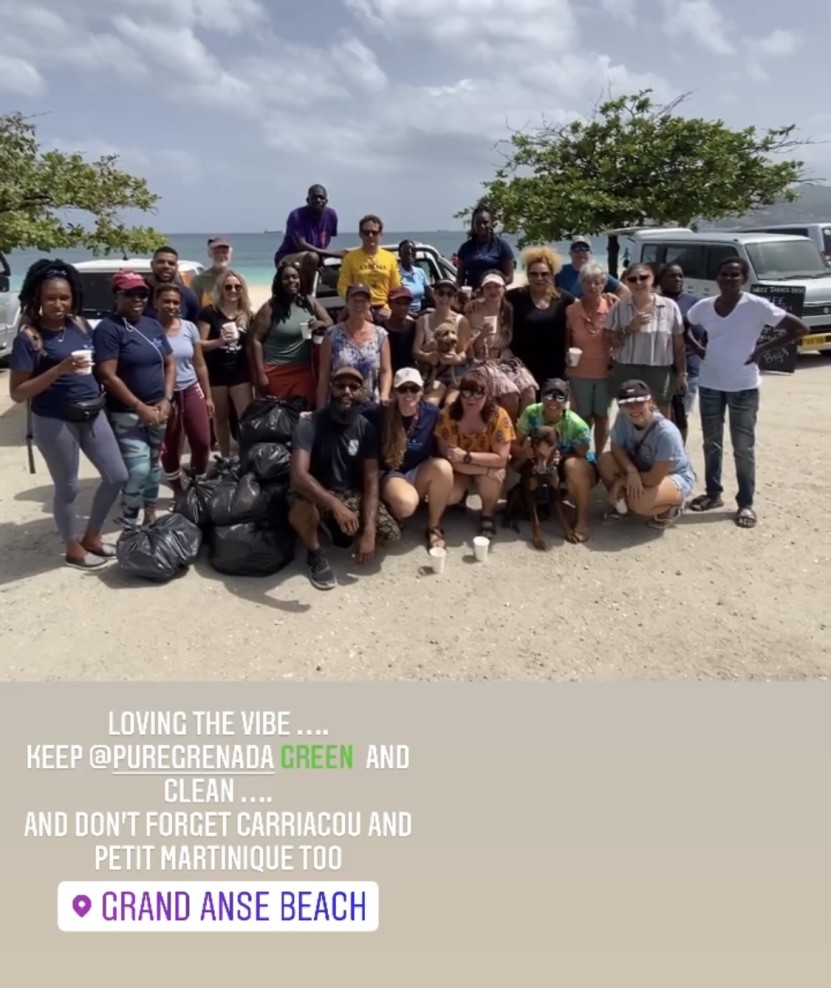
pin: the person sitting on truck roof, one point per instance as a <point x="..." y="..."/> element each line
<point x="732" y="323"/>
<point x="309" y="232"/>
<point x="568" y="278"/>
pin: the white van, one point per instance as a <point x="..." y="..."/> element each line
<point x="774" y="259"/>
<point x="96" y="279"/>
<point x="820" y="233"/>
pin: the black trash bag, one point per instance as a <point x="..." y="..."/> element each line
<point x="250" y="549"/>
<point x="277" y="509"/>
<point x="270" y="420"/>
<point x="224" y="467"/>
<point x="195" y="504"/>
<point x="161" y="550"/>
<point x="238" y="501"/>
<point x="269" y="462"/>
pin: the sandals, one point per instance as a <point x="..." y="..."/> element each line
<point x="487" y="527"/>
<point x="745" y="518"/>
<point x="435" y="538"/>
<point x="105" y="552"/>
<point x="706" y="502"/>
<point x="666" y="520"/>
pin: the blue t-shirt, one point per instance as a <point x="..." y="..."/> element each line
<point x="419" y="444"/>
<point x="190" y="304"/>
<point x="660" y="444"/>
<point x="140" y="350"/>
<point x="182" y="345"/>
<point x="568" y="280"/>
<point x="416" y="281"/>
<point x="56" y="348"/>
<point x="479" y="258"/>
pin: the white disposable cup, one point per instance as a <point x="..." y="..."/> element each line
<point x="438" y="557"/>
<point x="480" y="548"/>
<point x="306" y="330"/>
<point x="489" y="323"/>
<point x="621" y="506"/>
<point x="573" y="356"/>
<point x="230" y="331"/>
<point x="83" y="355"/>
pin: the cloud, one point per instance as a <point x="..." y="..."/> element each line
<point x="778" y="43"/>
<point x="699" y="21"/>
<point x="621" y="10"/>
<point x="21" y="77"/>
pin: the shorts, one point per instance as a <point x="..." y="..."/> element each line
<point x="409" y="476"/>
<point x="685" y="486"/>
<point x="387" y="529"/>
<point x="592" y="396"/>
<point x="660" y="380"/>
<point x="229" y="377"/>
<point x="493" y="473"/>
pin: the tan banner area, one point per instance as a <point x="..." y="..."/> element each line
<point x="410" y="835"/>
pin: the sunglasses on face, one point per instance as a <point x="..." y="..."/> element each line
<point x="370" y="233"/>
<point x="141" y="294"/>
<point x="350" y="386"/>
<point x="471" y="393"/>
<point x="638" y="279"/>
<point x="408" y="389"/>
<point x="555" y="396"/>
<point x="233" y="288"/>
<point x="539" y="274"/>
<point x="445" y="293"/>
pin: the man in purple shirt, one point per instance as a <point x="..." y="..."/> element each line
<point x="309" y="231"/>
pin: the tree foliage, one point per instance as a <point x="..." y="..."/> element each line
<point x="634" y="163"/>
<point x="43" y="193"/>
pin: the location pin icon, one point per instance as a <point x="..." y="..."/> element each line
<point x="81" y="904"/>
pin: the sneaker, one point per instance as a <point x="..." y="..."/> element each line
<point x="321" y="574"/>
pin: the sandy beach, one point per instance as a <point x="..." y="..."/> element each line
<point x="701" y="600"/>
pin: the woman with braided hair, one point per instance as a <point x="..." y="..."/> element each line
<point x="51" y="368"/>
<point x="281" y="344"/>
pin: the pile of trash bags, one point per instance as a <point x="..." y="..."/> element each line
<point x="239" y="508"/>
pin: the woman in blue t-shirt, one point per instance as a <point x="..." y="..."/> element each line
<point x="51" y="368"/>
<point x="483" y="251"/>
<point x="409" y="470"/>
<point x="135" y="362"/>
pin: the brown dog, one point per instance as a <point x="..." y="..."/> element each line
<point x="539" y="475"/>
<point x="445" y="342"/>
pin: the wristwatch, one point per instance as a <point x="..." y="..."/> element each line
<point x="169" y="399"/>
<point x="468" y="457"/>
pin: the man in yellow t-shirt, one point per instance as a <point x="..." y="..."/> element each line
<point x="372" y="266"/>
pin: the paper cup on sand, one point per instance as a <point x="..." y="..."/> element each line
<point x="574" y="354"/>
<point x="85" y="355"/>
<point x="438" y="557"/>
<point x="480" y="548"/>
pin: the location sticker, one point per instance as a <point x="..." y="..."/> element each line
<point x="81" y="904"/>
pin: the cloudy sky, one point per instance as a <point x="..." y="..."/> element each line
<point x="231" y="108"/>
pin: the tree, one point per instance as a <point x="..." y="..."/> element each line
<point x="40" y="190"/>
<point x="636" y="163"/>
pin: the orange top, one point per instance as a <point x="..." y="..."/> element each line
<point x="498" y="431"/>
<point x="586" y="331"/>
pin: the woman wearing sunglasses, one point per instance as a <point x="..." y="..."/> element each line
<point x="410" y="473"/>
<point x="135" y="363"/>
<point x="443" y="370"/>
<point x="647" y="472"/>
<point x="223" y="329"/>
<point x="577" y="470"/>
<point x="475" y="434"/>
<point x="646" y="334"/>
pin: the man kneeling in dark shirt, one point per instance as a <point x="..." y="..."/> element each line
<point x="335" y="478"/>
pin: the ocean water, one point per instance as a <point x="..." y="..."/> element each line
<point x="254" y="252"/>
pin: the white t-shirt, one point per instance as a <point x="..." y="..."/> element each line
<point x="731" y="339"/>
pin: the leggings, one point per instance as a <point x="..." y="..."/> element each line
<point x="189" y="416"/>
<point x="141" y="447"/>
<point x="60" y="444"/>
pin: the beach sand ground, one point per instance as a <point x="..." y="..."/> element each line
<point x="701" y="600"/>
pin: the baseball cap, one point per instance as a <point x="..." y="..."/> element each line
<point x="632" y="391"/>
<point x="347" y="370"/>
<point x="358" y="289"/>
<point x="579" y="242"/>
<point x="400" y="292"/>
<point x="126" y="281"/>
<point x="494" y="278"/>
<point x="407" y="375"/>
<point x="445" y="283"/>
<point x="555" y="386"/>
<point x="219" y="241"/>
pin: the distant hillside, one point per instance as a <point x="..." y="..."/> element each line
<point x="812" y="206"/>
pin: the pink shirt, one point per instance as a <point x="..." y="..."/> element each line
<point x="586" y="331"/>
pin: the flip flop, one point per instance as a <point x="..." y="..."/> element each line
<point x="436" y="538"/>
<point x="745" y="518"/>
<point x="666" y="520"/>
<point x="105" y="552"/>
<point x="89" y="561"/>
<point x="706" y="502"/>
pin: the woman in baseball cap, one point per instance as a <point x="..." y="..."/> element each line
<point x="410" y="473"/>
<point x="647" y="471"/>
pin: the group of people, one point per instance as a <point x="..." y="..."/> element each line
<point x="418" y="394"/>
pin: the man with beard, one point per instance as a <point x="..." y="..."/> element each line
<point x="219" y="251"/>
<point x="335" y="479"/>
<point x="164" y="270"/>
<point x="309" y="231"/>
